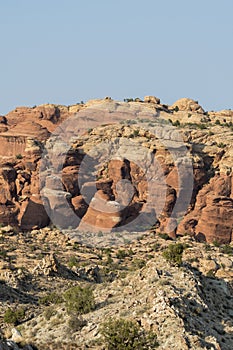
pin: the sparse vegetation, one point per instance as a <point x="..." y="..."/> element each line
<point x="76" y="323"/>
<point x="122" y="334"/>
<point x="173" y="253"/>
<point x="14" y="316"/>
<point x="121" y="254"/>
<point x="73" y="261"/>
<point x="176" y="123"/>
<point x="138" y="263"/>
<point x="79" y="300"/>
<point x="216" y="243"/>
<point x="49" y="312"/>
<point x="221" y="145"/>
<point x="164" y="236"/>
<point x="19" y="156"/>
<point x="52" y="298"/>
<point x="129" y="99"/>
<point x="227" y="249"/>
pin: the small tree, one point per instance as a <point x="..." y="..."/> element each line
<point x="14" y="316"/>
<point x="79" y="300"/>
<point x="173" y="253"/>
<point x="121" y="334"/>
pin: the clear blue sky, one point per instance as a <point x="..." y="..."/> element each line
<point x="64" y="51"/>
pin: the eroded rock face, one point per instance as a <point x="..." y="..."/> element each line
<point x="212" y="217"/>
<point x="120" y="189"/>
<point x="187" y="104"/>
<point x="152" y="99"/>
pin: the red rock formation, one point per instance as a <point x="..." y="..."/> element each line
<point x="121" y="190"/>
<point x="212" y="217"/>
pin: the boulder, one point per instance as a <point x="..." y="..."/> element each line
<point x="152" y="99"/>
<point x="187" y="104"/>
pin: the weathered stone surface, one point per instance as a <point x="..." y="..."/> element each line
<point x="212" y="217"/>
<point x="32" y="214"/>
<point x="152" y="99"/>
<point x="187" y="104"/>
<point x="122" y="179"/>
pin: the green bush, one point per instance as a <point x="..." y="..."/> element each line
<point x="221" y="145"/>
<point x="156" y="247"/>
<point x="73" y="261"/>
<point x="201" y="126"/>
<point x="14" y="316"/>
<point x="121" y="334"/>
<point x="138" y="263"/>
<point x="173" y="253"/>
<point x="19" y="156"/>
<point x="176" y="123"/>
<point x="3" y="253"/>
<point x="136" y="133"/>
<point x="164" y="236"/>
<point x="52" y="298"/>
<point x="121" y="254"/>
<point x="216" y="243"/>
<point x="227" y="249"/>
<point x="79" y="300"/>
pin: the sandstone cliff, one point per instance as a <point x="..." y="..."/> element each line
<point x="119" y="189"/>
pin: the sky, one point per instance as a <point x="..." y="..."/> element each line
<point x="65" y="51"/>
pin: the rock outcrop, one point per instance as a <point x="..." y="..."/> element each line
<point x="119" y="189"/>
<point x="187" y="104"/>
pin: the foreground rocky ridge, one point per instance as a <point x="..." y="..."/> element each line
<point x="188" y="304"/>
<point x="207" y="135"/>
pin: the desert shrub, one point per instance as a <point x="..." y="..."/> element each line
<point x="227" y="249"/>
<point x="216" y="243"/>
<point x="156" y="247"/>
<point x="49" y="312"/>
<point x="136" y="133"/>
<point x="3" y="253"/>
<point x="201" y="126"/>
<point x="164" y="236"/>
<point x="173" y="253"/>
<point x="19" y="156"/>
<point x="121" y="334"/>
<point x="76" y="323"/>
<point x="221" y="145"/>
<point x="52" y="298"/>
<point x="138" y="263"/>
<point x="210" y="274"/>
<point x="207" y="247"/>
<point x="121" y="254"/>
<point x="176" y="123"/>
<point x="73" y="261"/>
<point x="14" y="316"/>
<point x="79" y="300"/>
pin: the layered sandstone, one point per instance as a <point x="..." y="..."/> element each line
<point x="112" y="193"/>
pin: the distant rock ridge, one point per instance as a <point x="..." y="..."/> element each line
<point x="207" y="135"/>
